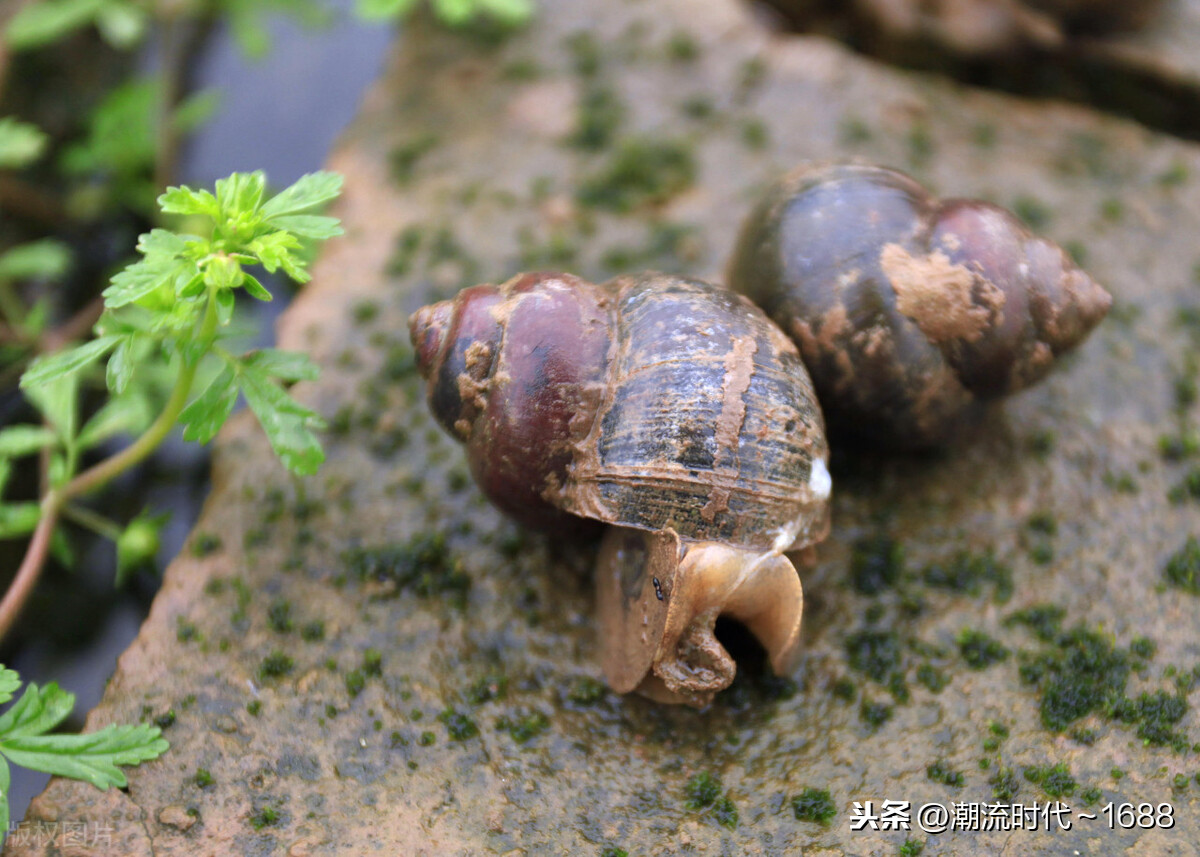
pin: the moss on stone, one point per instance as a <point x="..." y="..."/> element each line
<point x="814" y="805"/>
<point x="642" y="171"/>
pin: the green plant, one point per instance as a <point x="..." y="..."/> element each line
<point x="453" y="13"/>
<point x="93" y="758"/>
<point x="165" y="325"/>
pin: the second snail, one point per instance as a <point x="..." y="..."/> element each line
<point x="677" y="414"/>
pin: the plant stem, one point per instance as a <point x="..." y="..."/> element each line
<point x="97" y="476"/>
<point x="93" y="521"/>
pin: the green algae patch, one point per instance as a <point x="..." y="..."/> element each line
<point x="1183" y="568"/>
<point x="814" y="805"/>
<point x="423" y="564"/>
<point x="641" y="171"/>
<point x="979" y="650"/>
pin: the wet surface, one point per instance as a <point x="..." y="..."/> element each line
<point x="373" y="657"/>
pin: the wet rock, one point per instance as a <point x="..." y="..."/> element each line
<point x="438" y="690"/>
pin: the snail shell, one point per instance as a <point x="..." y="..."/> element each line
<point x="908" y="309"/>
<point x="669" y="409"/>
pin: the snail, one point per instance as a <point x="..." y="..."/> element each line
<point x="908" y="310"/>
<point x="671" y="411"/>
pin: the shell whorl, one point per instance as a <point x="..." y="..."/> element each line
<point x="906" y="308"/>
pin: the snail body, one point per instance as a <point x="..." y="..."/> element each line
<point x="653" y="405"/>
<point x="908" y="310"/>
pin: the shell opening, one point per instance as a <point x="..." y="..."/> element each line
<point x="659" y="600"/>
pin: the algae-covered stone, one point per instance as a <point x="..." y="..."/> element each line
<point x="445" y="698"/>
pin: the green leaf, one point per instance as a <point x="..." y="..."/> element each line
<point x="379" y="10"/>
<point x="285" y="422"/>
<point x="47" y="258"/>
<point x="120" y="367"/>
<point x="197" y="109"/>
<point x="47" y="368"/>
<point x="58" y="400"/>
<point x="274" y="249"/>
<point x="309" y="225"/>
<point x="10" y="683"/>
<point x="5" y="781"/>
<point x="284" y="365"/>
<point x="121" y="24"/>
<point x="37" y="711"/>
<point x="226" y="303"/>
<point x="122" y="134"/>
<point x="142" y="278"/>
<point x="20" y="143"/>
<point x="203" y="418"/>
<point x="455" y="13"/>
<point x="120" y="415"/>
<point x="184" y="200"/>
<point x="241" y="193"/>
<point x="18" y="519"/>
<point x="5" y="472"/>
<point x="256" y="289"/>
<point x="308" y="191"/>
<point x="39" y="24"/>
<point x="18" y="441"/>
<point x="93" y="757"/>
<point x="511" y="12"/>
<point x="248" y="31"/>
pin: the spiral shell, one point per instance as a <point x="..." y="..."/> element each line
<point x="668" y="408"/>
<point x="908" y="309"/>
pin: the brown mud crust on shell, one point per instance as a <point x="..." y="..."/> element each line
<point x="907" y="308"/>
<point x="939" y="295"/>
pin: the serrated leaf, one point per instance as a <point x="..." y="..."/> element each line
<point x="61" y="550"/>
<point x="284" y="365"/>
<point x="39" y="24"/>
<point x="285" y="422"/>
<point x="37" y="711"/>
<point x="20" y="143"/>
<point x="93" y="757"/>
<point x="306" y="192"/>
<point x="273" y="249"/>
<point x="184" y="200"/>
<point x="162" y="242"/>
<point x="120" y="415"/>
<point x="309" y="225"/>
<point x="18" y="441"/>
<point x="63" y="363"/>
<point x="47" y="258"/>
<point x="18" y="519"/>
<point x="240" y="193"/>
<point x="203" y="418"/>
<point x="379" y="10"/>
<point x="10" y="683"/>
<point x="142" y="278"/>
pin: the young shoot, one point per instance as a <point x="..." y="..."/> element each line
<point x="162" y="338"/>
